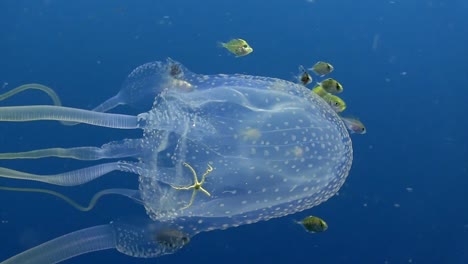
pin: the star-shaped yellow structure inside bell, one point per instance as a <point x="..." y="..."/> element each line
<point x="196" y="186"/>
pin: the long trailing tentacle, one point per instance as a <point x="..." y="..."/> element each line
<point x="71" y="178"/>
<point x="60" y="113"/>
<point x="33" y="86"/>
<point x="117" y="149"/>
<point x="132" y="194"/>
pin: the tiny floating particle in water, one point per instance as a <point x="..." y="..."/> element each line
<point x="409" y="189"/>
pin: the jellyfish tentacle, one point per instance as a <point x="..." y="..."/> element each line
<point x="68" y="246"/>
<point x="112" y="150"/>
<point x="67" y="114"/>
<point x="32" y="86"/>
<point x="147" y="240"/>
<point x="70" y="178"/>
<point x="132" y="194"/>
<point x="109" y="104"/>
<point x="36" y="86"/>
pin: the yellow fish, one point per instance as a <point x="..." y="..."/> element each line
<point x="332" y="86"/>
<point x="313" y="224"/>
<point x="238" y="47"/>
<point x="319" y="90"/>
<point x="336" y="103"/>
<point x="322" y="68"/>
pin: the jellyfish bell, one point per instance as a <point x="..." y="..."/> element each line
<point x="216" y="151"/>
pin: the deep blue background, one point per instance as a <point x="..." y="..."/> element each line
<point x="404" y="66"/>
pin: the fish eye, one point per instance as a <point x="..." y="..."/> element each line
<point x="244" y="46"/>
<point x="185" y="239"/>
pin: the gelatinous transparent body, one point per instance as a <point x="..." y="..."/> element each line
<point x="275" y="148"/>
<point x="217" y="150"/>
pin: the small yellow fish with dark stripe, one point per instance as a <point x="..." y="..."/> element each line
<point x="336" y="103"/>
<point x="322" y="68"/>
<point x="238" y="47"/>
<point x="313" y="224"/>
<point x="332" y="86"/>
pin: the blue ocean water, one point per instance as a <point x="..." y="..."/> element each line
<point x="404" y="68"/>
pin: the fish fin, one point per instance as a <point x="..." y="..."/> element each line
<point x="297" y="222"/>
